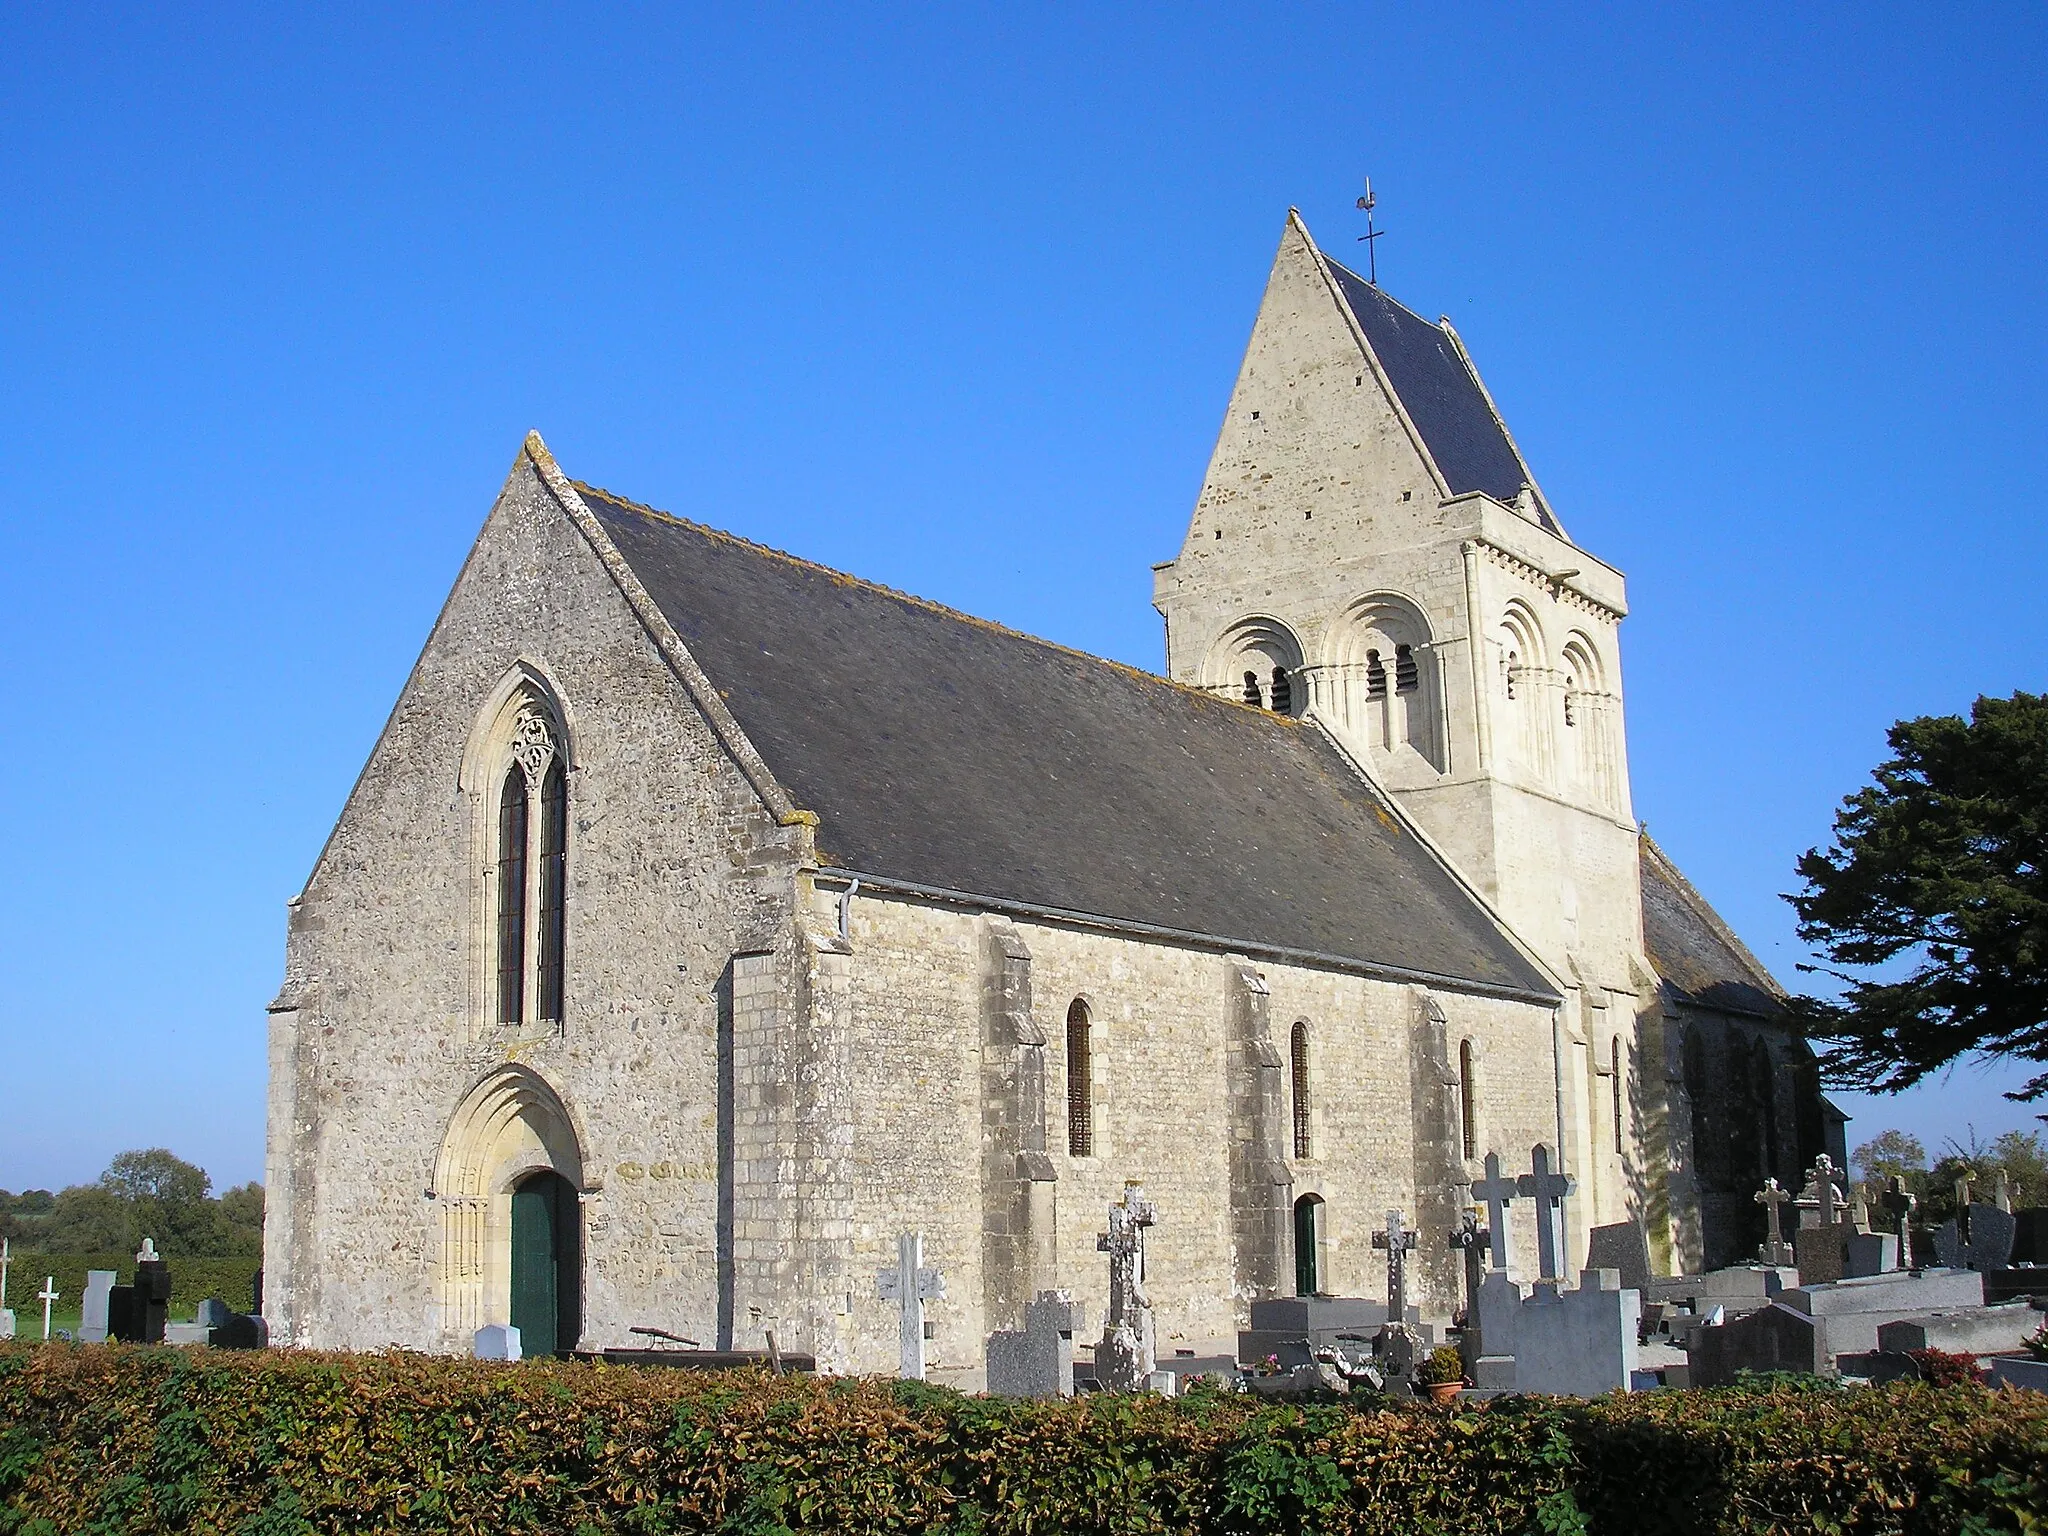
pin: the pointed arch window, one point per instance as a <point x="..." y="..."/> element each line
<point x="1297" y="1049"/>
<point x="531" y="879"/>
<point x="1080" y="1084"/>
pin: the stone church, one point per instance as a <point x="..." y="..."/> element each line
<point x="705" y="918"/>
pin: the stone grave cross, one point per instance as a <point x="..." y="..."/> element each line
<point x="1497" y="1192"/>
<point x="1821" y="1200"/>
<point x="1398" y="1244"/>
<point x="910" y="1285"/>
<point x="1777" y="1252"/>
<point x="1899" y="1202"/>
<point x="1124" y="1242"/>
<point x="1549" y="1191"/>
<point x="2001" y="1196"/>
<point x="47" y="1295"/>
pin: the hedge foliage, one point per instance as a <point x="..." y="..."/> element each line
<point x="192" y="1280"/>
<point x="156" y="1440"/>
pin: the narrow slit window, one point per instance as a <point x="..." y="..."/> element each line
<point x="1375" y="676"/>
<point x="1468" y="1106"/>
<point x="554" y="890"/>
<point x="512" y="807"/>
<point x="1283" y="692"/>
<point x="1407" y="677"/>
<point x="1080" y="1086"/>
<point x="1298" y="1053"/>
<point x="1615" y="1048"/>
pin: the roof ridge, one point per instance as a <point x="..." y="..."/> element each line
<point x="911" y="598"/>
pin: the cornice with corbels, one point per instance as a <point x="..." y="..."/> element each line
<point x="1544" y="581"/>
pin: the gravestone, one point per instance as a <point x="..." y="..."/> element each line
<point x="1625" y="1248"/>
<point x="1972" y="1331"/>
<point x="1820" y="1203"/>
<point x="1899" y="1202"/>
<point x="152" y="1293"/>
<point x="2030" y="1236"/>
<point x="1125" y="1358"/>
<point x="1870" y="1253"/>
<point x="1984" y="1240"/>
<point x="1288" y="1330"/>
<point x="1775" y="1251"/>
<point x="1822" y="1252"/>
<point x="910" y="1285"/>
<point x="1775" y="1338"/>
<point x="1037" y="1360"/>
<point x="496" y="1341"/>
<point x="1500" y="1310"/>
<point x="1578" y="1343"/>
<point x="1468" y="1240"/>
<point x="242" y="1330"/>
<point x="47" y="1296"/>
<point x="1855" y="1309"/>
<point x="1398" y="1243"/>
<point x="92" y="1321"/>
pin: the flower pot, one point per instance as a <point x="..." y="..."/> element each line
<point x="1444" y="1391"/>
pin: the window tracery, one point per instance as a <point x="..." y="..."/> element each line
<point x="527" y="885"/>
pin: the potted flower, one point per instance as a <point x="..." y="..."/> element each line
<point x="1442" y="1373"/>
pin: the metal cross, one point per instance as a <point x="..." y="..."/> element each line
<point x="1776" y="1250"/>
<point x="1899" y="1201"/>
<point x="1398" y="1244"/>
<point x="910" y="1284"/>
<point x="1497" y="1192"/>
<point x="1548" y="1190"/>
<point x="47" y="1295"/>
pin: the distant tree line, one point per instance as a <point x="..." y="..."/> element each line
<point x="2019" y="1155"/>
<point x="151" y="1193"/>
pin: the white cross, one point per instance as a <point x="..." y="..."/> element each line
<point x="1548" y="1190"/>
<point x="5" y="1255"/>
<point x="1497" y="1191"/>
<point x="911" y="1285"/>
<point x="47" y="1295"/>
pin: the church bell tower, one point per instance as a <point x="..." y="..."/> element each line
<point x="1370" y="547"/>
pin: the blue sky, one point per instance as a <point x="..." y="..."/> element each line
<point x="952" y="300"/>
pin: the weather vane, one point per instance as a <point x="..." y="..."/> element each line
<point x="1366" y="204"/>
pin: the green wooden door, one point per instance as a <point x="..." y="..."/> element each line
<point x="1306" y="1280"/>
<point x="546" y="1265"/>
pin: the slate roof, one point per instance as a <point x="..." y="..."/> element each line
<point x="956" y="755"/>
<point x="1695" y="953"/>
<point x="1439" y="392"/>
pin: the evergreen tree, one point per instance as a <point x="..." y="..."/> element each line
<point x="1939" y="868"/>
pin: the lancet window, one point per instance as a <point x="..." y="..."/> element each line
<point x="1298" y="1062"/>
<point x="529" y="884"/>
<point x="1080" y="1083"/>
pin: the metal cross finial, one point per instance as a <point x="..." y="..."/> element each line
<point x="1366" y="204"/>
<point x="1548" y="1190"/>
<point x="1497" y="1192"/>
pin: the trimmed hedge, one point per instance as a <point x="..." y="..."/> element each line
<point x="157" y="1440"/>
<point x="192" y="1280"/>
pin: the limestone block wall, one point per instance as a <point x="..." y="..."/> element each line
<point x="1160" y="1026"/>
<point x="382" y="1026"/>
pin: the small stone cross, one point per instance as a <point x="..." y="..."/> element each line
<point x="1124" y="1242"/>
<point x="1899" y="1202"/>
<point x="1776" y="1250"/>
<point x="1398" y="1244"/>
<point x="47" y="1295"/>
<point x="147" y="1253"/>
<point x="1497" y="1192"/>
<point x="1548" y="1190"/>
<point x="2001" y="1193"/>
<point x="910" y="1284"/>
